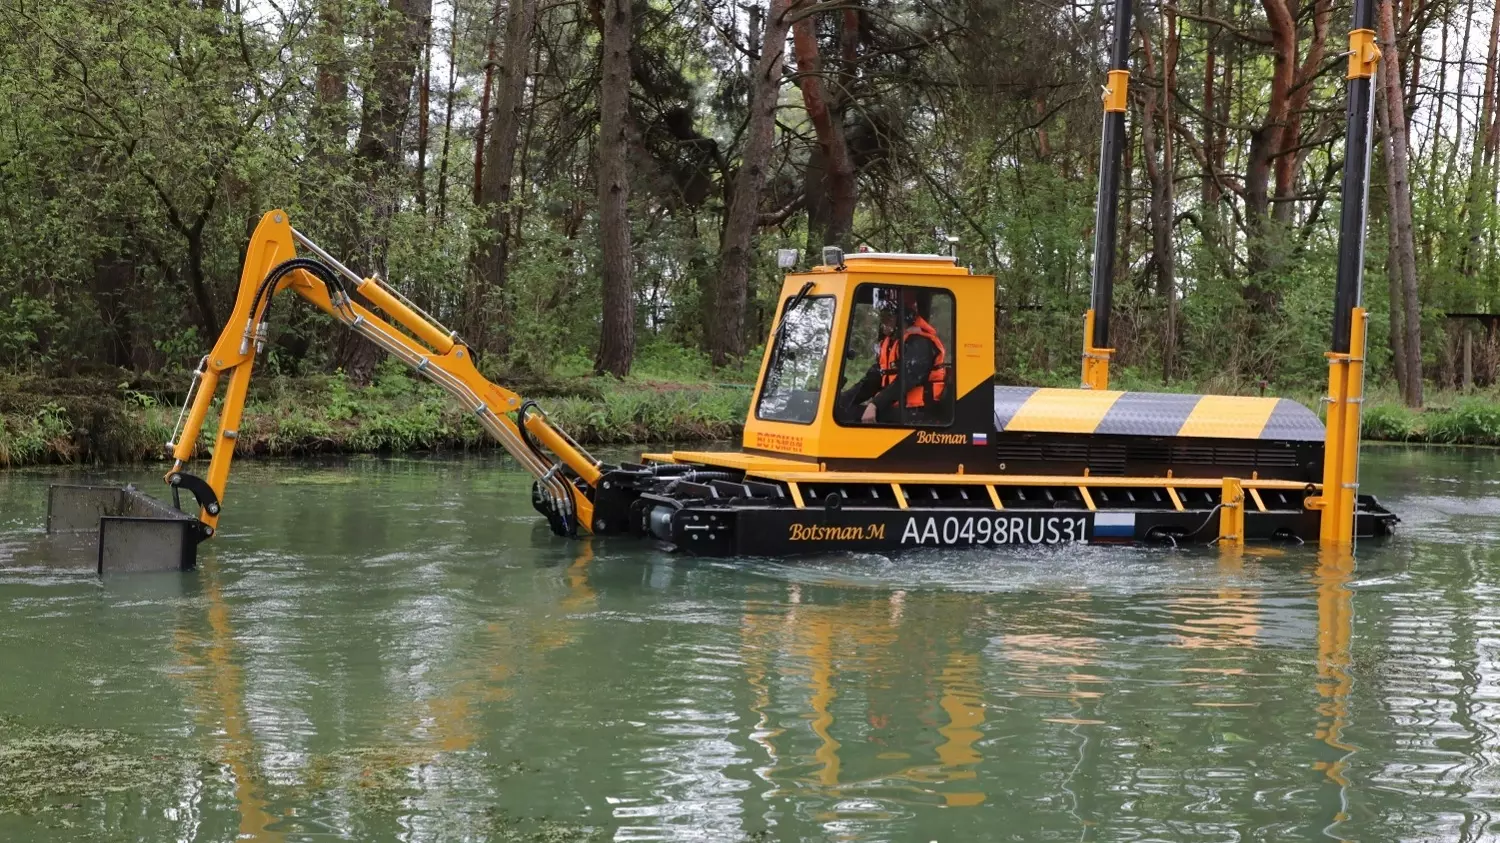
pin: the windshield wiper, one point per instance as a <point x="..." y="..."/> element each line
<point x="779" y="348"/>
<point x="791" y="306"/>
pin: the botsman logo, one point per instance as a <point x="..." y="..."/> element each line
<point x="927" y="437"/>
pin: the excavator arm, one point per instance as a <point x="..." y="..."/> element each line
<point x="565" y="473"/>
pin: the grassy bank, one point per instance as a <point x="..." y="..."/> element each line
<point x="106" y="420"/>
<point x="119" y="418"/>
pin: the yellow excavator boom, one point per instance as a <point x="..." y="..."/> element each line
<point x="565" y="472"/>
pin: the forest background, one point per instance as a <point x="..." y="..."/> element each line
<point x="592" y="193"/>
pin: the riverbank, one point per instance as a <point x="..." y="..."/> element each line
<point x="100" y="419"/>
<point x="103" y="420"/>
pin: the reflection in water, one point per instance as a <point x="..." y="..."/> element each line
<point x="365" y="661"/>
<point x="221" y="708"/>
<point x="851" y="657"/>
<point x="1335" y="627"/>
<point x="1228" y="619"/>
<point x="755" y="633"/>
<point x="963" y="703"/>
<point x="816" y="645"/>
<point x="579" y="598"/>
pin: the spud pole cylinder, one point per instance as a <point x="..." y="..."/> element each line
<point x="1355" y="191"/>
<point x="1111" y="151"/>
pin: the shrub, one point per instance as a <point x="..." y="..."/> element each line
<point x="1472" y="421"/>
<point x="1390" y="423"/>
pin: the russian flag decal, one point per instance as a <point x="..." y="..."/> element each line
<point x="1114" y="525"/>
<point x="981" y="439"/>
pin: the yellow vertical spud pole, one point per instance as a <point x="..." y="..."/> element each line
<point x="1095" y="359"/>
<point x="1346" y="358"/>
<point x="1232" y="513"/>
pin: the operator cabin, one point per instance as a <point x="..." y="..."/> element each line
<point x="886" y="362"/>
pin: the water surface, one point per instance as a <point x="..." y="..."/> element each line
<point x="397" y="649"/>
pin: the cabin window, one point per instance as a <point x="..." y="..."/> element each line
<point x="909" y="384"/>
<point x="799" y="357"/>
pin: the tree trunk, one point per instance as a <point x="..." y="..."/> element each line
<point x="1378" y="204"/>
<point x="1397" y="318"/>
<point x="1267" y="139"/>
<point x="1478" y="203"/>
<point x="397" y="46"/>
<point x="824" y="111"/>
<point x="114" y="277"/>
<point x="328" y="134"/>
<point x="1043" y="142"/>
<point x="424" y="94"/>
<point x="492" y="244"/>
<point x="1163" y="202"/>
<point x="329" y="122"/>
<point x="198" y="281"/>
<point x="1273" y="143"/>
<point x="484" y="103"/>
<point x="617" y="334"/>
<point x="1400" y="199"/>
<point x="1225" y="102"/>
<point x="1288" y="161"/>
<point x="728" y="339"/>
<point x="1210" y="184"/>
<point x="442" y="185"/>
<point x="1437" y="202"/>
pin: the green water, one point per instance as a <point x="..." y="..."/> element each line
<point x="398" y="650"/>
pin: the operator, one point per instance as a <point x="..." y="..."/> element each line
<point x="919" y="354"/>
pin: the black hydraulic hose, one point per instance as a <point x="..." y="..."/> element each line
<point x="700" y="477"/>
<point x="267" y="288"/>
<point x="527" y="406"/>
<point x="272" y="278"/>
<point x="695" y="476"/>
<point x="668" y="469"/>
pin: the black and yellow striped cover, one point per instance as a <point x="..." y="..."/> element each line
<point x="1108" y="412"/>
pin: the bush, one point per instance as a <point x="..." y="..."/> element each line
<point x="1390" y="423"/>
<point x="1471" y="421"/>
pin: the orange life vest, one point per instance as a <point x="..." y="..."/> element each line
<point x="890" y="358"/>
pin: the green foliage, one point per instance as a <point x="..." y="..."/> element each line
<point x="21" y="321"/>
<point x="1470" y="421"/>
<point x="341" y="404"/>
<point x="34" y="438"/>
<point x="633" y="413"/>
<point x="1390" y="423"/>
<point x="328" y="414"/>
<point x="181" y="346"/>
<point x="667" y="361"/>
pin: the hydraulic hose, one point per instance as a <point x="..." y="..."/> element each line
<point x="267" y="289"/>
<point x="526" y="407"/>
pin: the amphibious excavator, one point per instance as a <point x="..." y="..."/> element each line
<point x="955" y="460"/>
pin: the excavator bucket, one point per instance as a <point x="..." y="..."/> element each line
<point x="134" y="532"/>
